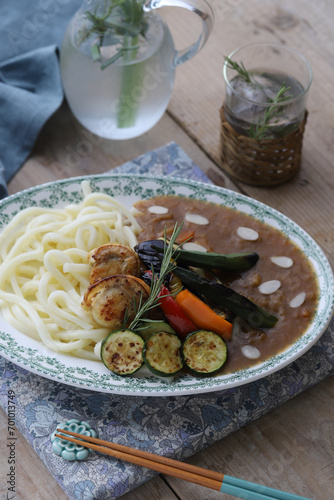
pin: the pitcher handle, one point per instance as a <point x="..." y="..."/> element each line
<point x="199" y="7"/>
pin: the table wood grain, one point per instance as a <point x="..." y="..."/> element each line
<point x="292" y="447"/>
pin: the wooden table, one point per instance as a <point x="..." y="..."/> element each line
<point x="291" y="448"/>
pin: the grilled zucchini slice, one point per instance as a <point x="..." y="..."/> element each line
<point x="122" y="352"/>
<point x="162" y="354"/>
<point x="154" y="327"/>
<point x="204" y="352"/>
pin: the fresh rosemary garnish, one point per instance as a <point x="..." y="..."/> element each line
<point x="167" y="266"/>
<point x="259" y="131"/>
<point x="120" y="24"/>
<point x="122" y="18"/>
<point x="240" y="69"/>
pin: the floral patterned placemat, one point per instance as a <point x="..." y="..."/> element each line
<point x="176" y="427"/>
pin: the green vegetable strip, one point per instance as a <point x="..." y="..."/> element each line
<point x="132" y="84"/>
<point x="231" y="262"/>
<point x="227" y="298"/>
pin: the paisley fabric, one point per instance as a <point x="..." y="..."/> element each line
<point x="172" y="426"/>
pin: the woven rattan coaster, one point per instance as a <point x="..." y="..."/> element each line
<point x="260" y="163"/>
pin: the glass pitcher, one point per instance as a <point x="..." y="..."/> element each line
<point x="118" y="63"/>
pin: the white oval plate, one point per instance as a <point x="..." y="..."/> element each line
<point x="35" y="357"/>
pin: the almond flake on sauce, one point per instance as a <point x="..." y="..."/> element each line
<point x="193" y="247"/>
<point x="282" y="261"/>
<point x="158" y="210"/>
<point x="250" y="352"/>
<point x="269" y="287"/>
<point x="197" y="219"/>
<point x="246" y="233"/>
<point x="298" y="300"/>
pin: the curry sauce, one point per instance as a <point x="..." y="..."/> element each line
<point x="282" y="281"/>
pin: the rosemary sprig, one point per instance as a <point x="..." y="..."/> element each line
<point x="240" y="69"/>
<point x="259" y="131"/>
<point x="120" y="24"/>
<point x="124" y="18"/>
<point x="167" y="266"/>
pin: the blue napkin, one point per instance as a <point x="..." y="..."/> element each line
<point x="30" y="83"/>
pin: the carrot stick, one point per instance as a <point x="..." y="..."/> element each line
<point x="202" y="315"/>
<point x="185" y="236"/>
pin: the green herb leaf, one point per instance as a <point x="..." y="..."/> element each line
<point x="114" y="58"/>
<point x="259" y="131"/>
<point x="240" y="69"/>
<point x="167" y="266"/>
<point x="95" y="51"/>
<point x="123" y="17"/>
<point x="121" y="23"/>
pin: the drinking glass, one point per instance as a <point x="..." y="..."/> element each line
<point x="250" y="107"/>
<point x="264" y="113"/>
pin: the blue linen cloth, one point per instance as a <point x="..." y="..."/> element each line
<point x="30" y="83"/>
<point x="173" y="426"/>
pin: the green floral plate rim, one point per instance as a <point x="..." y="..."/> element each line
<point x="35" y="357"/>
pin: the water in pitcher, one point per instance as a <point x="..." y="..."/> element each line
<point x="127" y="98"/>
<point x="246" y="104"/>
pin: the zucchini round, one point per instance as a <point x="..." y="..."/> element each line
<point x="154" y="327"/>
<point x="162" y="354"/>
<point x="122" y="352"/>
<point x="204" y="352"/>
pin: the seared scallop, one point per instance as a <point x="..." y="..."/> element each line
<point x="114" y="300"/>
<point x="111" y="259"/>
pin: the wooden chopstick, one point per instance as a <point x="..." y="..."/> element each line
<point x="158" y="463"/>
<point x="198" y="475"/>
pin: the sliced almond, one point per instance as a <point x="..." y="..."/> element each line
<point x="282" y="261"/>
<point x="158" y="210"/>
<point x="197" y="219"/>
<point x="246" y="233"/>
<point x="298" y="300"/>
<point x="250" y="352"/>
<point x="193" y="247"/>
<point x="269" y="287"/>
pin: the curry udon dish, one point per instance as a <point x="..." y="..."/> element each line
<point x="175" y="284"/>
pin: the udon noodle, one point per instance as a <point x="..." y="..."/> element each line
<point x="44" y="269"/>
